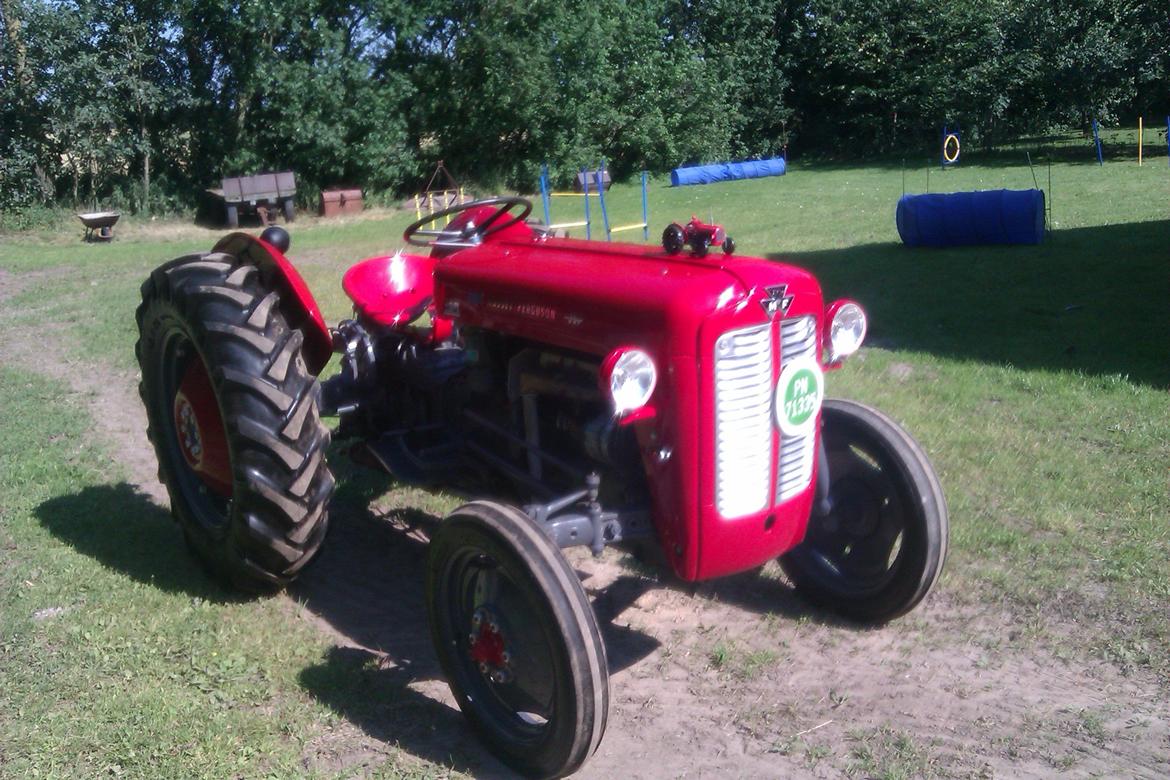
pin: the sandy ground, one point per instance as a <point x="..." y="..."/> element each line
<point x="736" y="678"/>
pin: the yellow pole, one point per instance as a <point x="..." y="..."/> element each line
<point x="1139" y="140"/>
<point x="417" y="208"/>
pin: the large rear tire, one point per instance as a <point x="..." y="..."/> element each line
<point x="517" y="639"/>
<point x="881" y="548"/>
<point x="233" y="416"/>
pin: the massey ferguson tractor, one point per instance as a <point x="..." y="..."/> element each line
<point x="585" y="393"/>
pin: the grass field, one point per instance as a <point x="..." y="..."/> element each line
<point x="1036" y="377"/>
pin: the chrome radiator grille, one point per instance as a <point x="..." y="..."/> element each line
<point x="798" y="337"/>
<point x="743" y="420"/>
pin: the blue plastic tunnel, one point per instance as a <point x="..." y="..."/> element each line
<point x="972" y="218"/>
<point x="729" y="171"/>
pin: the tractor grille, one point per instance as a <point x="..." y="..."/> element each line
<point x="798" y="337"/>
<point x="743" y="420"/>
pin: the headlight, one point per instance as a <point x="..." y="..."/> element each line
<point x="629" y="376"/>
<point x="846" y="330"/>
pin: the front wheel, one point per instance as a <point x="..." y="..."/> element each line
<point x="517" y="639"/>
<point x="882" y="546"/>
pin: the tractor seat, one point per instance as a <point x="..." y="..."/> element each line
<point x="393" y="290"/>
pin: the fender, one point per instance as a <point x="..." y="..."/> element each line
<point x="296" y="301"/>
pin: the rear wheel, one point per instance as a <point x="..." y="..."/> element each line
<point x="232" y="414"/>
<point x="517" y="639"/>
<point x="290" y="210"/>
<point x="232" y="215"/>
<point x="881" y="548"/>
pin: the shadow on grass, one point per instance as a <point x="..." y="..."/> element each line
<point x="122" y="528"/>
<point x="1093" y="300"/>
<point x="367" y="586"/>
<point x="356" y="684"/>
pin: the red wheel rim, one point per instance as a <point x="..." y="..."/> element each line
<point x="199" y="429"/>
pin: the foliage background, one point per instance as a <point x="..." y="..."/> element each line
<point x="142" y="104"/>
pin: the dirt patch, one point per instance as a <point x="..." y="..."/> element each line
<point x="110" y="396"/>
<point x="735" y="678"/>
<point x="768" y="688"/>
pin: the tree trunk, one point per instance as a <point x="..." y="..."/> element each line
<point x="146" y="182"/>
<point x="145" y="167"/>
<point x="15" y="41"/>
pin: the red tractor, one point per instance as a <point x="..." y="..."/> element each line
<point x="591" y="393"/>
<point x="698" y="235"/>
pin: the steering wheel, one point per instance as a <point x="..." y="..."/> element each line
<point x="470" y="234"/>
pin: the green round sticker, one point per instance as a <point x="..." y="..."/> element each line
<point x="798" y="396"/>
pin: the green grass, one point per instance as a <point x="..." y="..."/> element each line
<point x="117" y="654"/>
<point x="1035" y="377"/>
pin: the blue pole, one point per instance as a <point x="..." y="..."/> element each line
<point x="600" y="173"/>
<point x="1168" y="140"/>
<point x="942" y="155"/>
<point x="1097" y="140"/>
<point x="646" y="207"/>
<point x="544" y="198"/>
<point x="585" y="184"/>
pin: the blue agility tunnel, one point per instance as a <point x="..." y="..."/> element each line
<point x="730" y="171"/>
<point x="972" y="218"/>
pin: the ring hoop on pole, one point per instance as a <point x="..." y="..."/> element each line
<point x="951" y="148"/>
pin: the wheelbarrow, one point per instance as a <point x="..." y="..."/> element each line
<point x="99" y="225"/>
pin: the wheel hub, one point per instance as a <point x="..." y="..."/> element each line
<point x="857" y="509"/>
<point x="487" y="647"/>
<point x="199" y="429"/>
<point x="188" y="427"/>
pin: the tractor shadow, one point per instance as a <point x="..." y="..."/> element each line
<point x="125" y="530"/>
<point x="366" y="591"/>
<point x="1089" y="300"/>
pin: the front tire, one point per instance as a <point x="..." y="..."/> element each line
<point x="233" y="416"/>
<point x="517" y="639"/>
<point x="881" y="548"/>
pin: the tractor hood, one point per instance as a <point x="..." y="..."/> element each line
<point x="592" y="296"/>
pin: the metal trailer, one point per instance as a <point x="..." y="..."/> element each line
<point x="263" y="194"/>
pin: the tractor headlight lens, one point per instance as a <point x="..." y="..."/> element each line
<point x="846" y="330"/>
<point x="631" y="379"/>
